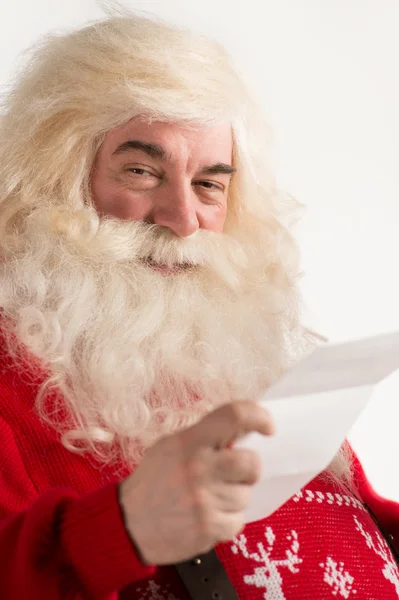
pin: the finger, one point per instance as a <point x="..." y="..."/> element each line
<point x="231" y="497"/>
<point x="238" y="465"/>
<point x="230" y="421"/>
<point x="229" y="524"/>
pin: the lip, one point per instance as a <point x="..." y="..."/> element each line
<point x="168" y="269"/>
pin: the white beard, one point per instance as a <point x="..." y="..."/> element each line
<point x="136" y="354"/>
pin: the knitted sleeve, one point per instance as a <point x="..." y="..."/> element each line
<point x="64" y="545"/>
<point x="386" y="510"/>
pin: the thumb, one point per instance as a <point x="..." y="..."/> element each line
<point x="227" y="423"/>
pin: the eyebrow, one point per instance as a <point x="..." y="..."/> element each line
<point x="154" y="150"/>
<point x="219" y="168"/>
<point x="157" y="152"/>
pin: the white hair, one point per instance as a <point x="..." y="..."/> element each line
<point x="127" y="354"/>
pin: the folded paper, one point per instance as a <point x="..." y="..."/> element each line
<point x="313" y="406"/>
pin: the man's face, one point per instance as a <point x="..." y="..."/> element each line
<point x="165" y="174"/>
<point x="141" y="353"/>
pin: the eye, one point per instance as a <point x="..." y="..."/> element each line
<point x="138" y="171"/>
<point x="141" y="178"/>
<point x="210" y="185"/>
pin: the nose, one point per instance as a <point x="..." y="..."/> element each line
<point x="176" y="210"/>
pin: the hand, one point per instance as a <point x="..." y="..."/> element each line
<point x="189" y="491"/>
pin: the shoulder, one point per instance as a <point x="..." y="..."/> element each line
<point x="19" y="386"/>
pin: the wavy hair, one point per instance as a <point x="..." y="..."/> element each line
<point x="75" y="88"/>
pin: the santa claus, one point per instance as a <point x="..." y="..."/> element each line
<point x="148" y="296"/>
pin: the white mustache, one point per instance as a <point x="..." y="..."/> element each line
<point x="161" y="246"/>
<point x="110" y="239"/>
<point x="153" y="242"/>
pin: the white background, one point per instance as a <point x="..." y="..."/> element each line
<point x="326" y="73"/>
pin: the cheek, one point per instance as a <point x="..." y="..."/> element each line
<point x="113" y="200"/>
<point x="214" y="220"/>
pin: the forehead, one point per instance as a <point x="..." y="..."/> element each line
<point x="208" y="143"/>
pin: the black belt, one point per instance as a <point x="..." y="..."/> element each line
<point x="205" y="578"/>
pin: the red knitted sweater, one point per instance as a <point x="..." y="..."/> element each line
<point x="62" y="532"/>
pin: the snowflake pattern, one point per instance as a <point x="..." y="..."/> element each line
<point x="328" y="498"/>
<point x="268" y="576"/>
<point x="340" y="581"/>
<point x="155" y="592"/>
<point x="381" y="548"/>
